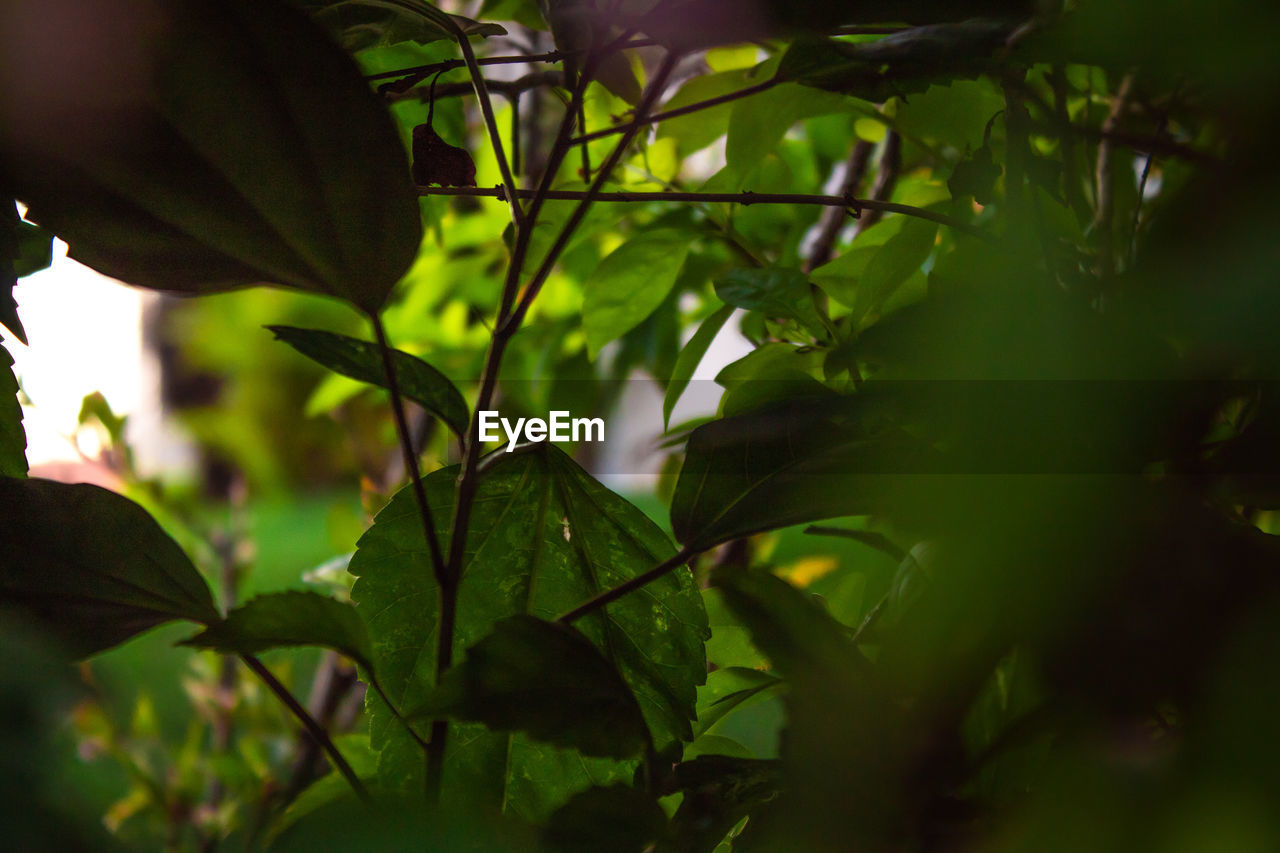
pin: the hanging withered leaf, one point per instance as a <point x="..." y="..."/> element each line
<point x="437" y="162"/>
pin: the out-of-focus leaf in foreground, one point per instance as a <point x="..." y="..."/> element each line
<point x="129" y="141"/>
<point x="92" y="566"/>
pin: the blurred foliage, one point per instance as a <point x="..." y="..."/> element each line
<point x="1019" y="362"/>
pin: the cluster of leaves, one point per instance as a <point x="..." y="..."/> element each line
<point x="1033" y="375"/>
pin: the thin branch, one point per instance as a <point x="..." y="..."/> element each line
<point x="490" y="123"/>
<point x="1102" y="220"/>
<point x="677" y="112"/>
<point x="509" y="89"/>
<point x="316" y="730"/>
<point x="406" y="447"/>
<point x="650" y="97"/>
<point x="833" y="218"/>
<point x="681" y="557"/>
<point x="884" y="30"/>
<point x="744" y="198"/>
<point x="421" y="72"/>
<point x="887" y="171"/>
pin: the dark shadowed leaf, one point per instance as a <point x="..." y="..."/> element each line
<point x="718" y="792"/>
<point x="92" y="566"/>
<point x="617" y="818"/>
<point x="801" y="461"/>
<point x="775" y="292"/>
<point x="361" y="360"/>
<point x="437" y="162"/>
<point x="153" y="181"/>
<point x="690" y="356"/>
<point x="899" y="64"/>
<point x="361" y="24"/>
<point x="544" y="538"/>
<point x="547" y="680"/>
<point x="24" y="249"/>
<point x="13" y="438"/>
<point x="788" y="625"/>
<point x="291" y="618"/>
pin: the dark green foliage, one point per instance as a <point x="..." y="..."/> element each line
<point x="617" y="818"/>
<point x="316" y="197"/>
<point x="1033" y="383"/>
<point x="91" y="566"/>
<point x="13" y="439"/>
<point x="362" y="360"/>
<point x="24" y="249"/>
<point x="544" y="537"/>
<point x="285" y="619"/>
<point x="547" y="680"/>
<point x="776" y="292"/>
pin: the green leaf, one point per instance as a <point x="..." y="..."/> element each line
<point x="788" y="625"/>
<point x="362" y="24"/>
<point x="92" y="566"/>
<point x="886" y="269"/>
<point x="718" y="792"/>
<point x="758" y="123"/>
<point x="774" y="292"/>
<point x="728" y="688"/>
<point x="544" y="537"/>
<point x="24" y="249"/>
<point x="697" y="130"/>
<point x="547" y="680"/>
<point x="317" y="196"/>
<point x="899" y="64"/>
<point x="362" y="360"/>
<point x="690" y="357"/>
<point x="13" y="438"/>
<point x="803" y="460"/>
<point x="629" y="284"/>
<point x="293" y="618"/>
<point x="618" y="819"/>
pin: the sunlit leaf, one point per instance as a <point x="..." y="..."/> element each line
<point x="689" y="358"/>
<point x="629" y="284"/>
<point x="92" y="566"/>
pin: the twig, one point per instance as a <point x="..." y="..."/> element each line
<point x="647" y="101"/>
<point x="678" y="111"/>
<point x="833" y="218"/>
<point x="423" y="71"/>
<point x="315" y="729"/>
<point x="1102" y="219"/>
<point x="407" y="450"/>
<point x="743" y="198"/>
<point x="490" y="123"/>
<point x="509" y="89"/>
<point x="1067" y="139"/>
<point x="681" y="557"/>
<point x="886" y="178"/>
